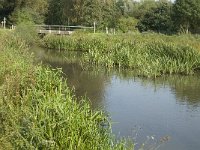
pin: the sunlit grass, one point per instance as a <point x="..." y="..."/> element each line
<point x="149" y="55"/>
<point x="39" y="111"/>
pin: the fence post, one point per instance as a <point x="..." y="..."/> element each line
<point x="4" y="22"/>
<point x="50" y="29"/>
<point x="106" y="30"/>
<point x="94" y="27"/>
<point x="59" y="32"/>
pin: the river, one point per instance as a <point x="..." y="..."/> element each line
<point x="162" y="113"/>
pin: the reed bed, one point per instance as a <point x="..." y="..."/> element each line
<point x="150" y="55"/>
<point x="39" y="111"/>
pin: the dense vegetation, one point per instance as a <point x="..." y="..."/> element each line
<point x="148" y="54"/>
<point x="39" y="111"/>
<point x="123" y="15"/>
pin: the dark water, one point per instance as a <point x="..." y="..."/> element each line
<point x="165" y="110"/>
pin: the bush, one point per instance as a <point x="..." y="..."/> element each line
<point x="127" y="24"/>
<point x="28" y="33"/>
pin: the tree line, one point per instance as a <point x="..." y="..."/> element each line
<point x="161" y="16"/>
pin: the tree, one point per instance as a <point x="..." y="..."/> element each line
<point x="27" y="10"/>
<point x="139" y="9"/>
<point x="6" y="8"/>
<point x="157" y="19"/>
<point x="55" y="14"/>
<point x="82" y="12"/>
<point x="187" y="14"/>
<point x="127" y="24"/>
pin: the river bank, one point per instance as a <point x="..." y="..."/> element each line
<point x="39" y="111"/>
<point x="166" y="108"/>
<point x="150" y="55"/>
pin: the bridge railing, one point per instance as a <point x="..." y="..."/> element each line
<point x="62" y="27"/>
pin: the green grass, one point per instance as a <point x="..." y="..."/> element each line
<point x="150" y="55"/>
<point x="39" y="111"/>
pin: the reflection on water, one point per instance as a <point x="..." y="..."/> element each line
<point x="88" y="84"/>
<point x="84" y="83"/>
<point x="167" y="106"/>
<point x="185" y="88"/>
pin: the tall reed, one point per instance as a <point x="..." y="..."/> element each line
<point x="149" y="55"/>
<point x="39" y="111"/>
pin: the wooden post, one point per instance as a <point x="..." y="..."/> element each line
<point x="106" y="30"/>
<point x="50" y="29"/>
<point x="59" y="32"/>
<point x="94" y="27"/>
<point x="4" y="22"/>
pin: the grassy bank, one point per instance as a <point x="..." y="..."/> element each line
<point x="39" y="111"/>
<point x="148" y="54"/>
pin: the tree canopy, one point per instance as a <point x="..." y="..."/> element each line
<point x="82" y="12"/>
<point x="17" y="11"/>
<point x="157" y="19"/>
<point x="187" y="14"/>
<point x="158" y="16"/>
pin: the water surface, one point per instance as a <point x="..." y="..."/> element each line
<point x="150" y="111"/>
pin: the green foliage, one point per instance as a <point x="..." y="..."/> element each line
<point x="55" y="13"/>
<point x="182" y="16"/>
<point x="6" y="8"/>
<point x="127" y="24"/>
<point x="27" y="32"/>
<point x="83" y="13"/>
<point x="157" y="19"/>
<point x="147" y="54"/>
<point x="39" y="111"/>
<point x="139" y="9"/>
<point x="18" y="11"/>
<point x="15" y="59"/>
<point x="125" y="7"/>
<point x="187" y="15"/>
<point x="22" y="16"/>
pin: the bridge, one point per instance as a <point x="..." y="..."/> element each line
<point x="60" y="29"/>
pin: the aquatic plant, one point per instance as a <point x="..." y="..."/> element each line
<point x="149" y="55"/>
<point x="39" y="111"/>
